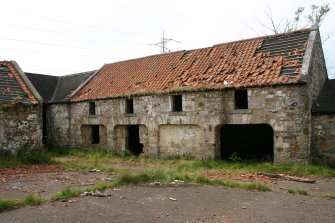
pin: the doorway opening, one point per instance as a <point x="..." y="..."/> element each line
<point x="133" y="141"/>
<point x="247" y="141"/>
<point x="95" y="134"/>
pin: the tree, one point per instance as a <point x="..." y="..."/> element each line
<point x="300" y="20"/>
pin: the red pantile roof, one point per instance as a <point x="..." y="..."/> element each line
<point x="12" y="85"/>
<point x="268" y="60"/>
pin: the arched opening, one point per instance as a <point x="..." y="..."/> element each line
<point x="247" y="141"/>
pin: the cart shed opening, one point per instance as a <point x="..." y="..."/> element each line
<point x="247" y="141"/>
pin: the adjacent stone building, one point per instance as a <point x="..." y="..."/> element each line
<point x="323" y="122"/>
<point x="251" y="98"/>
<point x="20" y="110"/>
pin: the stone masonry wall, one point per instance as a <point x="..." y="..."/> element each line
<point x="20" y="127"/>
<point x="323" y="143"/>
<point x="284" y="108"/>
<point x="317" y="70"/>
<point x="58" y="125"/>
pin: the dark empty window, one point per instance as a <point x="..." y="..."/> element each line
<point x="91" y="108"/>
<point x="129" y="106"/>
<point x="95" y="134"/>
<point x="241" y="99"/>
<point x="177" y="103"/>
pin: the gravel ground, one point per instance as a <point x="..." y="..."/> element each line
<point x="180" y="204"/>
<point x="185" y="203"/>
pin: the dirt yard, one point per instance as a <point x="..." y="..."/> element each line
<point x="183" y="203"/>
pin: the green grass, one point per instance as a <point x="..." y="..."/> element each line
<point x="297" y="191"/>
<point x="30" y="199"/>
<point x="328" y="196"/>
<point x="66" y="193"/>
<point x="189" y="170"/>
<point x="25" y="156"/>
<point x="6" y="203"/>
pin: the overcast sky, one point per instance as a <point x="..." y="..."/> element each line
<point x="69" y="36"/>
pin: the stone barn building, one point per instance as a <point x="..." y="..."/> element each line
<point x="252" y="98"/>
<point x="20" y="110"/>
<point x="323" y="122"/>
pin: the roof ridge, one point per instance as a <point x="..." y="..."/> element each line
<point x="56" y="89"/>
<point x="265" y="36"/>
<point x="81" y="73"/>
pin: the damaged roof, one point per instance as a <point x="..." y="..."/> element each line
<point x="14" y="86"/>
<point x="325" y="103"/>
<point x="57" y="88"/>
<point x="268" y="60"/>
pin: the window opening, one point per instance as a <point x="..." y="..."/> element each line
<point x="129" y="106"/>
<point x="241" y="99"/>
<point x="92" y="108"/>
<point x="177" y="103"/>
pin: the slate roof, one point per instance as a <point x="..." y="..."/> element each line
<point x="268" y="60"/>
<point x="57" y="88"/>
<point x="44" y="84"/>
<point x="13" y="86"/>
<point x="325" y="103"/>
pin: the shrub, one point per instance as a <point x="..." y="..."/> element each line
<point x="33" y="155"/>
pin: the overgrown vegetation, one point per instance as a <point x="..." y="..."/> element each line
<point x="329" y="196"/>
<point x="25" y="156"/>
<point x="132" y="170"/>
<point x="30" y="199"/>
<point x="297" y="191"/>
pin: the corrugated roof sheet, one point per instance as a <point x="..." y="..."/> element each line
<point x="12" y="86"/>
<point x="260" y="61"/>
<point x="325" y="103"/>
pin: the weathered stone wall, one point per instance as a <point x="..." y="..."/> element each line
<point x="58" y="125"/>
<point x="20" y="127"/>
<point x="196" y="129"/>
<point x="317" y="71"/>
<point x="323" y="138"/>
<point x="181" y="140"/>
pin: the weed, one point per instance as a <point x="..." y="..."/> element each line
<point x="291" y="191"/>
<point x="66" y="194"/>
<point x="8" y="203"/>
<point x="234" y="157"/>
<point x="33" y="155"/>
<point x="32" y="199"/>
<point x="26" y="155"/>
<point x="297" y="191"/>
<point x="328" y="196"/>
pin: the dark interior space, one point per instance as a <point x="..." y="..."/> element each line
<point x="134" y="145"/>
<point x="177" y="103"/>
<point x="44" y="126"/>
<point x="95" y="134"/>
<point x="248" y="142"/>
<point x="129" y="106"/>
<point x="241" y="99"/>
<point x="92" y="108"/>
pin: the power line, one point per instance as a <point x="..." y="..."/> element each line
<point x="75" y="23"/>
<point x="72" y="34"/>
<point x="60" y="45"/>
